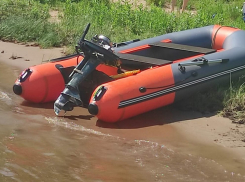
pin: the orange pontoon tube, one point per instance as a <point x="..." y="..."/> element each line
<point x="43" y="83"/>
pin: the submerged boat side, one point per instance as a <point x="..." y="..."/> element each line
<point x="186" y="61"/>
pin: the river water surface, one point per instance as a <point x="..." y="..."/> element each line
<point x="35" y="145"/>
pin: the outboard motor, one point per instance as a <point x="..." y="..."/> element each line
<point x="94" y="54"/>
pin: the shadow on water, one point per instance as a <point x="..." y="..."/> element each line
<point x="161" y="116"/>
<point x="83" y="117"/>
<point x="49" y="105"/>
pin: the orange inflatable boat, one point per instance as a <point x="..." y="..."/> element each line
<point x="118" y="81"/>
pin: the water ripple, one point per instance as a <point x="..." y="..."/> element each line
<point x="23" y="169"/>
<point x="5" y="98"/>
<point x="61" y="122"/>
<point x="6" y="172"/>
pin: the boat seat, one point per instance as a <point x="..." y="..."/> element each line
<point x="142" y="59"/>
<point x="161" y="53"/>
<point x="182" y="47"/>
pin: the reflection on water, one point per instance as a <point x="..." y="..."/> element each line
<point x="37" y="146"/>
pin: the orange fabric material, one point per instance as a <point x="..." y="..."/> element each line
<point x="219" y="35"/>
<point x="135" y="49"/>
<point x="46" y="82"/>
<point x="167" y="40"/>
<point x="128" y="88"/>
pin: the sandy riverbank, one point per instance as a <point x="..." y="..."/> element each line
<point x="208" y="136"/>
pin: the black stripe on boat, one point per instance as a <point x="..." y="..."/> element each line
<point x="160" y="93"/>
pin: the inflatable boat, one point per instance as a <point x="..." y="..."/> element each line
<point x="119" y="81"/>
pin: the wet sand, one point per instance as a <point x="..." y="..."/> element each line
<point x="194" y="147"/>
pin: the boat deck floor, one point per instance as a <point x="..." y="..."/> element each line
<point x="161" y="53"/>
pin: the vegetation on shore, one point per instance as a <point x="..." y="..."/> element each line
<point x="29" y="21"/>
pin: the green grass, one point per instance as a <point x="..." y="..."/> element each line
<point x="234" y="102"/>
<point x="28" y="21"/>
<point x="118" y="21"/>
<point x="227" y="100"/>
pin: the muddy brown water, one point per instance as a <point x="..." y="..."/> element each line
<point x="35" y="145"/>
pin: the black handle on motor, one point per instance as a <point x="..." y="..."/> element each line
<point x="84" y="33"/>
<point x="80" y="65"/>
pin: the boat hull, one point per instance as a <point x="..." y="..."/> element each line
<point x="163" y="85"/>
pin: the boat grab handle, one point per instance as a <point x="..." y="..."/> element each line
<point x="201" y="61"/>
